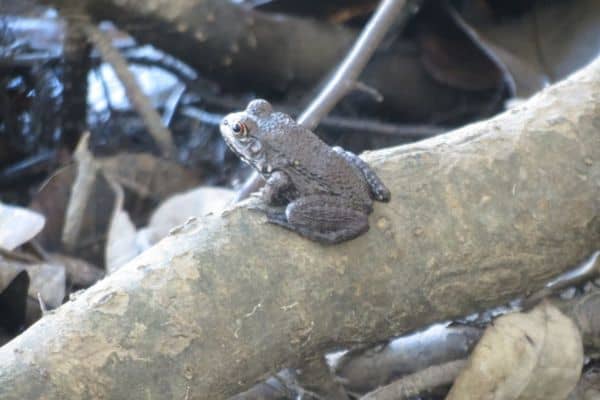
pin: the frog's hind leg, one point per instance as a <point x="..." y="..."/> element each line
<point x="322" y="218"/>
<point x="378" y="189"/>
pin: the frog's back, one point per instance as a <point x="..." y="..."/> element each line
<point x="317" y="169"/>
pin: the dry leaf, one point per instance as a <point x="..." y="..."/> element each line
<point x="18" y="225"/>
<point x="121" y="243"/>
<point x="177" y="209"/>
<point x="80" y="193"/>
<point x="524" y="356"/>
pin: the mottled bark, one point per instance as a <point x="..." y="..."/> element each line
<point x="477" y="217"/>
<point x="245" y="50"/>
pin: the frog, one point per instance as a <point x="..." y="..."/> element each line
<point x="322" y="193"/>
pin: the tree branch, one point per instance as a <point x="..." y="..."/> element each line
<point x="478" y="216"/>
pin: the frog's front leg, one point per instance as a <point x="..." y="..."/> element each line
<point x="378" y="189"/>
<point x="278" y="189"/>
<point x="322" y="218"/>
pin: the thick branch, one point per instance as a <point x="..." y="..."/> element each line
<point x="228" y="42"/>
<point x="477" y="217"/>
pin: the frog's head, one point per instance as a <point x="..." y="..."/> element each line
<point x="251" y="134"/>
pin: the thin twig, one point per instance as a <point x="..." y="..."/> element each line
<point x="152" y="120"/>
<point x="587" y="270"/>
<point x="367" y="126"/>
<point x="419" y="382"/>
<point x="403" y="131"/>
<point x="344" y="78"/>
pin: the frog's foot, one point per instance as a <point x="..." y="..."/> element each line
<point x="277" y="189"/>
<point x="321" y="218"/>
<point x="378" y="190"/>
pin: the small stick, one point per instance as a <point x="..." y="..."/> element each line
<point x="152" y="120"/>
<point x="372" y="127"/>
<point x="344" y="78"/>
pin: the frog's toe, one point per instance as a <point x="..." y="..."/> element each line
<point x="382" y="193"/>
<point x="278" y="217"/>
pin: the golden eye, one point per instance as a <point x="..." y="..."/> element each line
<point x="240" y="129"/>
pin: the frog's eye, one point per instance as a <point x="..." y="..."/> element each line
<point x="240" y="129"/>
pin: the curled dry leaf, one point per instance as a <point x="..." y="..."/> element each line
<point x="121" y="243"/>
<point x="177" y="209"/>
<point x="524" y="356"/>
<point x="80" y="193"/>
<point x="18" y="225"/>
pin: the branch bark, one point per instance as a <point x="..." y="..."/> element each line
<point x="477" y="217"/>
<point x="229" y="44"/>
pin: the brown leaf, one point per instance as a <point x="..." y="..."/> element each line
<point x="524" y="356"/>
<point x="80" y="193"/>
<point x="121" y="242"/>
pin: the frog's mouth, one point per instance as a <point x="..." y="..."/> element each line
<point x="233" y="147"/>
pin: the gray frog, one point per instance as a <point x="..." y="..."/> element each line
<point x="327" y="191"/>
